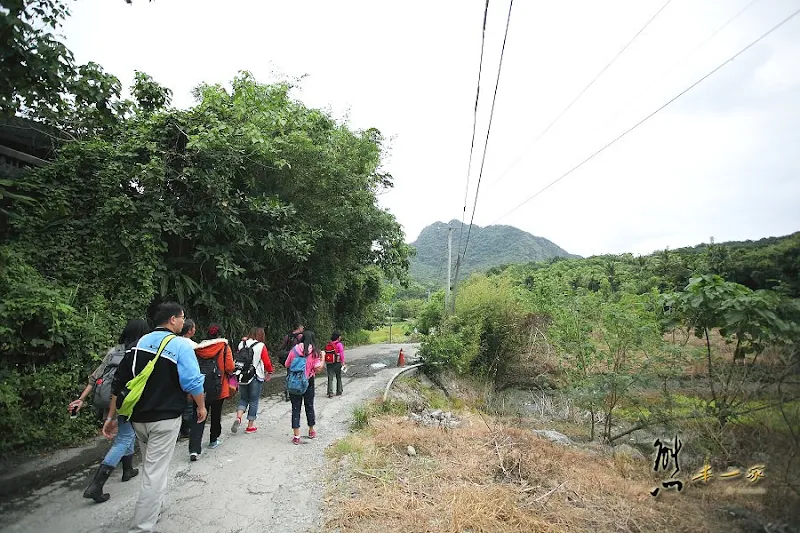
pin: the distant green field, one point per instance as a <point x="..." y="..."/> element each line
<point x="382" y="334"/>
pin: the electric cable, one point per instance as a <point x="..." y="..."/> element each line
<point x="580" y="94"/>
<point x="645" y="119"/>
<point x="474" y="123"/>
<point x="488" y="132"/>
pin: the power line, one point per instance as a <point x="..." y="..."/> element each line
<point x="689" y="88"/>
<point x="583" y="91"/>
<point x="474" y="122"/>
<point x="486" y="143"/>
<point x="630" y="102"/>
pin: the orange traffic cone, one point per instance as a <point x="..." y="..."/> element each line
<point x="401" y="359"/>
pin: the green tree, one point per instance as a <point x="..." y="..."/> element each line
<point x="233" y="239"/>
<point x="35" y="67"/>
<point x="39" y="78"/>
<point x="744" y="317"/>
<point x="718" y="260"/>
<point x="611" y="276"/>
<point x="405" y="309"/>
<point x="629" y="337"/>
<point x="571" y="332"/>
<point x="432" y="313"/>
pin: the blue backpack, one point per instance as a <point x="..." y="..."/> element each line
<point x="296" y="380"/>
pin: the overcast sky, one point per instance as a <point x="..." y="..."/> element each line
<point x="722" y="161"/>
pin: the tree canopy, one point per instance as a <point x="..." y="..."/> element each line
<point x="248" y="208"/>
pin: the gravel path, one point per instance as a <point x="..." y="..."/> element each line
<point x="253" y="482"/>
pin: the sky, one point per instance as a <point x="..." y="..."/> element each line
<point x="721" y="161"/>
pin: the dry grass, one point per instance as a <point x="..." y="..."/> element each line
<point x="501" y="479"/>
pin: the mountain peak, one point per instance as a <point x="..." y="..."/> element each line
<point x="488" y="247"/>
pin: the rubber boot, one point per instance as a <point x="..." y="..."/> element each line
<point x="128" y="471"/>
<point x="95" y="488"/>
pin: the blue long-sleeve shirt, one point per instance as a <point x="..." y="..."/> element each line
<point x="175" y="373"/>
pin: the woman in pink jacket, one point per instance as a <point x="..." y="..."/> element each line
<point x="313" y="362"/>
<point x="334" y="361"/>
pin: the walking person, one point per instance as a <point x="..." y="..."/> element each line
<point x="305" y="358"/>
<point x="289" y="341"/>
<point x="215" y="359"/>
<point x="122" y="448"/>
<point x="250" y="388"/>
<point x="189" y="330"/>
<point x="187" y="418"/>
<point x="156" y="415"/>
<point x="334" y="361"/>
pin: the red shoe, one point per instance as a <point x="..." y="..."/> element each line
<point x="295" y="440"/>
<point x="312" y="434"/>
<point x="251" y="429"/>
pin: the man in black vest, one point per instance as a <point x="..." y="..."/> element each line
<point x="156" y="417"/>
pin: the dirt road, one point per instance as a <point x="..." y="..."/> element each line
<point x="253" y="482"/>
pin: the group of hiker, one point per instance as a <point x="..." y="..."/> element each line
<point x="161" y="385"/>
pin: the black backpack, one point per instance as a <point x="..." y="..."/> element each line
<point x="289" y="342"/>
<point x="210" y="369"/>
<point x="245" y="369"/>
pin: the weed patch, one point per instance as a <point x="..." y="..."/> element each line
<point x="363" y="413"/>
<point x="495" y="478"/>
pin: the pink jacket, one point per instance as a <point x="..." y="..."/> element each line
<point x="310" y="360"/>
<point x="339" y="347"/>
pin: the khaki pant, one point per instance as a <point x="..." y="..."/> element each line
<point x="157" y="443"/>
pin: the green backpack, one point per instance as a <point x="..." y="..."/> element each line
<point x="135" y="387"/>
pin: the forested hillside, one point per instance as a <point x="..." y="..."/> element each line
<point x="488" y="246"/>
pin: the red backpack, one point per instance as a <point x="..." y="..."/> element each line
<point x="330" y="353"/>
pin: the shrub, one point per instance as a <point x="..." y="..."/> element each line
<point x="49" y="347"/>
<point x="356" y="338"/>
<point x="432" y="313"/>
<point x="455" y="346"/>
<point x="34" y="408"/>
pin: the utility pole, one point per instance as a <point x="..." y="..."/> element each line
<point x="391" y="320"/>
<point x="449" y="266"/>
<point x="455" y="287"/>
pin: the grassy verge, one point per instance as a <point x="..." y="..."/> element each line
<point x="492" y="474"/>
<point x="381" y="334"/>
<point x="494" y="478"/>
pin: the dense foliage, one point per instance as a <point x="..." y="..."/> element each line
<point x="606" y="328"/>
<point x="756" y="279"/>
<point x="226" y="207"/>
